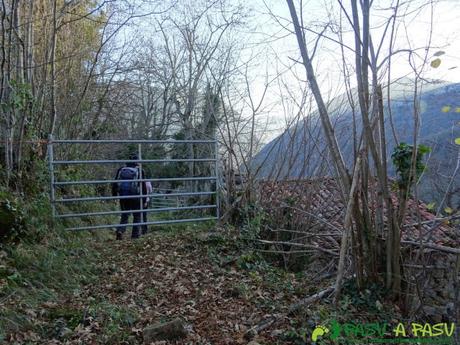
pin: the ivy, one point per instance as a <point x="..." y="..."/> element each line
<point x="12" y="219"/>
<point x="21" y="96"/>
<point x="402" y="160"/>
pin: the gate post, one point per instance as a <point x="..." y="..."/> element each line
<point x="216" y="168"/>
<point x="51" y="170"/>
<point x="139" y="154"/>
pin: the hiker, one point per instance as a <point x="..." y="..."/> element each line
<point x="130" y="171"/>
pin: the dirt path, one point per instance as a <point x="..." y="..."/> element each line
<point x="163" y="276"/>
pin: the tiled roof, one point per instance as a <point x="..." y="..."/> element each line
<point x="318" y="203"/>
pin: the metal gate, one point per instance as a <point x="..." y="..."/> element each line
<point x="162" y="201"/>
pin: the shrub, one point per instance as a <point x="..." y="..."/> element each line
<point x="12" y="218"/>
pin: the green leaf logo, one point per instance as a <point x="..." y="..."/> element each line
<point x="318" y="332"/>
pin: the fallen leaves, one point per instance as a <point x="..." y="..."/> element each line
<point x="159" y="278"/>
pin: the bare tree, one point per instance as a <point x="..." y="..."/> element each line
<point x="370" y="159"/>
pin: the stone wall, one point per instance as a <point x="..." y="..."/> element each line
<point x="433" y="287"/>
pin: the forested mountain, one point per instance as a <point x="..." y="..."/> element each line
<point x="300" y="150"/>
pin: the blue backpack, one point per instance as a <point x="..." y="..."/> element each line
<point x="127" y="187"/>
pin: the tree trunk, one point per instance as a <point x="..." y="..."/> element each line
<point x="53" y="70"/>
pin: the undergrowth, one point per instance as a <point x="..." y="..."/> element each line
<point x="41" y="265"/>
<point x="39" y="261"/>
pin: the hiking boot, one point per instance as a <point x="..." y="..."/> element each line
<point x="119" y="236"/>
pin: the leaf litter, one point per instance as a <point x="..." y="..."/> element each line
<point x="164" y="276"/>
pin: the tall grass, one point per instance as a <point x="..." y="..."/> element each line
<point x="39" y="261"/>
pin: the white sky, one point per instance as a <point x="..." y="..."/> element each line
<point x="270" y="47"/>
<point x="445" y="34"/>
<point x="413" y="33"/>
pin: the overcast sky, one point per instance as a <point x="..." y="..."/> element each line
<point x="271" y="48"/>
<point x="413" y="31"/>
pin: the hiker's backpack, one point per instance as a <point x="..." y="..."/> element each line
<point x="128" y="187"/>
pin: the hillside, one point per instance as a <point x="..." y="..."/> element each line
<point x="301" y="152"/>
<point x="126" y="218"/>
<point x="92" y="290"/>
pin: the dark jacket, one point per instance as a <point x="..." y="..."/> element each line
<point x="143" y="176"/>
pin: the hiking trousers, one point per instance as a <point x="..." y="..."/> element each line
<point x="145" y="227"/>
<point x="134" y="206"/>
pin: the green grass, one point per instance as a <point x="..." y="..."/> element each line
<point x="34" y="274"/>
<point x="44" y="264"/>
<point x="40" y="274"/>
<point x="39" y="262"/>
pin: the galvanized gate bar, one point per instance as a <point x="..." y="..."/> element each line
<point x="157" y="197"/>
<point x="51" y="168"/>
<point x="159" y="222"/>
<point x="129" y="141"/>
<point x="216" y="173"/>
<point x="95" y="198"/>
<point x="141" y="189"/>
<point x="163" y="209"/>
<point x="122" y="161"/>
<point x="65" y="183"/>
